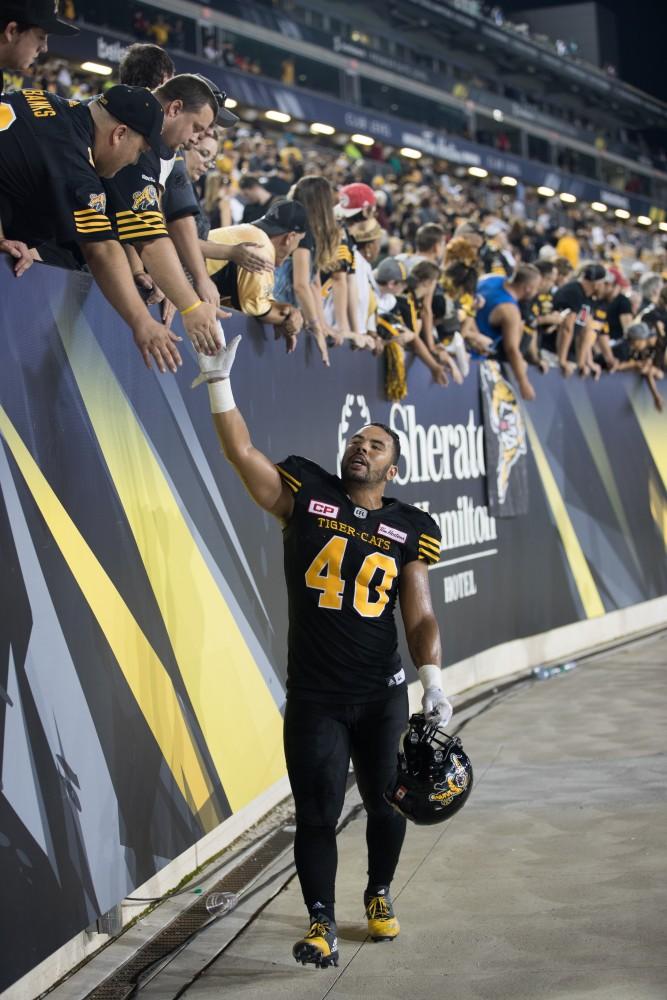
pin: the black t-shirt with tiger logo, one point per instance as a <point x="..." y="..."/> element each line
<point x="342" y="568"/>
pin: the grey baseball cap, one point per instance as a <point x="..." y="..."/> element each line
<point x="638" y="331"/>
<point x="390" y="270"/>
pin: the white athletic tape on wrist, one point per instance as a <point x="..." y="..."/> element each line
<point x="430" y="675"/>
<point x="220" y="396"/>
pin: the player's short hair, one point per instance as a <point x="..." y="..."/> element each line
<point x="396" y="454"/>
<point x="194" y="92"/>
<point x="145" y="65"/>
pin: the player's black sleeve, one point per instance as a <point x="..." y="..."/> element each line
<point x="424" y="540"/>
<point x="179" y="199"/>
<point x="297" y="472"/>
<point x="304" y="479"/>
<point x="291" y="473"/>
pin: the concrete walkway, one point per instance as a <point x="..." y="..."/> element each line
<point x="549" y="884"/>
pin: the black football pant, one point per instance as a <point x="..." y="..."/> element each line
<point x="320" y="739"/>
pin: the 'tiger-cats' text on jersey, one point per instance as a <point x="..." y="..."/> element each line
<point x="342" y="566"/>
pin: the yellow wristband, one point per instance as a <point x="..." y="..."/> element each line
<point x="191" y="308"/>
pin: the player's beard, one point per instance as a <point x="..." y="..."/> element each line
<point x="365" y="475"/>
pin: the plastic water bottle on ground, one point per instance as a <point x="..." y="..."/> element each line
<point x="542" y="673"/>
<point x="219" y="903"/>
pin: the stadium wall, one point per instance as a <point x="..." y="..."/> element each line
<point x="144" y="613"/>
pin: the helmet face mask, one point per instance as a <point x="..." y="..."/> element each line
<point x="434" y="776"/>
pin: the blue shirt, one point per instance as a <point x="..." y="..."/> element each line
<point x="491" y="288"/>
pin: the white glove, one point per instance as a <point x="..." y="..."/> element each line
<point x="436" y="707"/>
<point x="219" y="365"/>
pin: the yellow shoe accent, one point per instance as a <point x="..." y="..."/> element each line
<point x="382" y="922"/>
<point x="319" y="946"/>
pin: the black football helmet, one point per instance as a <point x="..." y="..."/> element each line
<point x="434" y="778"/>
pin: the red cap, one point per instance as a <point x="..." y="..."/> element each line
<point x="621" y="280"/>
<point x="354" y="198"/>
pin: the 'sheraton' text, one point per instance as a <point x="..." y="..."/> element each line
<point x="438" y="452"/>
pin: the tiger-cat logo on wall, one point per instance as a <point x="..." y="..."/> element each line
<point x="505" y="421"/>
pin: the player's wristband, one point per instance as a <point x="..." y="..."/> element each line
<point x="220" y="396"/>
<point x="430" y="675"/>
<point x="190" y="309"/>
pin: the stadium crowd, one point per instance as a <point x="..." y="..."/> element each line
<point x="160" y="191"/>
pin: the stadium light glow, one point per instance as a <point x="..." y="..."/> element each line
<point x="546" y="192"/>
<point x="478" y="172"/>
<point x="412" y="154"/>
<point x="362" y="140"/>
<point x="598" y="206"/>
<point x="231" y="103"/>
<point x="567" y="197"/>
<point x="278" y="116"/>
<point x="93" y="67"/>
<point x="663" y="226"/>
<point x="498" y="116"/>
<point x="621" y="213"/>
<point x="319" y="128"/>
<point x="643" y="220"/>
<point x="510" y="182"/>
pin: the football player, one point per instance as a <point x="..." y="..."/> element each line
<point x="350" y="552"/>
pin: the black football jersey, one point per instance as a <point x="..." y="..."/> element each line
<point x="48" y="185"/>
<point x="134" y="199"/>
<point x="342" y="567"/>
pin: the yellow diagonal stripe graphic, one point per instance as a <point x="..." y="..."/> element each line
<point x="145" y="674"/>
<point x="653" y="426"/>
<point x="583" y="577"/>
<point x="658" y="505"/>
<point x="238" y="717"/>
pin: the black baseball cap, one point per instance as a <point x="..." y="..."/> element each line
<point x="39" y="14"/>
<point x="224" y="117"/>
<point x="138" y="109"/>
<point x="283" y="217"/>
<point x="594" y="272"/>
